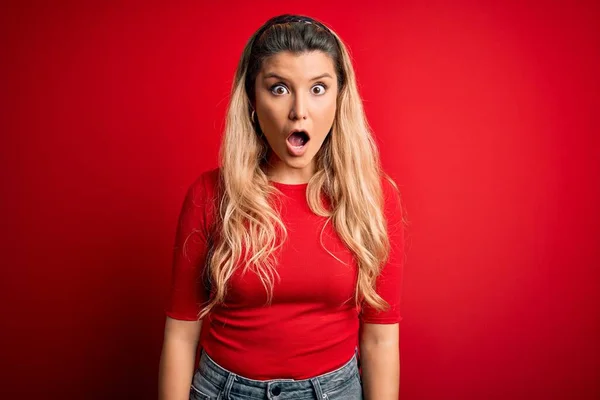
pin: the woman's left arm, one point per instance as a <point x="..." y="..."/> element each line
<point x="380" y="361"/>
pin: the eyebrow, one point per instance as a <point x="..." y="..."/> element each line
<point x="274" y="75"/>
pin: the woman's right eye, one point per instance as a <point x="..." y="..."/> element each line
<point x="278" y="90"/>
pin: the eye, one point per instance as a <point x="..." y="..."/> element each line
<point x="321" y="89"/>
<point x="278" y="89"/>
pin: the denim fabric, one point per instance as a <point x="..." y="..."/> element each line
<point x="212" y="382"/>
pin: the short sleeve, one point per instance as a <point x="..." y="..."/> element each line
<point x="187" y="292"/>
<point x="389" y="282"/>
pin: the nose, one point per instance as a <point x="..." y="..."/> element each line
<point x="299" y="107"/>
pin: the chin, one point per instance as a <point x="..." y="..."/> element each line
<point x="294" y="162"/>
<point x="298" y="163"/>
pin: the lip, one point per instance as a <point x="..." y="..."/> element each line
<point x="296" y="151"/>
<point x="293" y="150"/>
<point x="298" y="130"/>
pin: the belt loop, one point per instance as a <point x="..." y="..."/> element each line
<point x="318" y="390"/>
<point x="228" y="384"/>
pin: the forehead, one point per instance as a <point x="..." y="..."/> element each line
<point x="299" y="66"/>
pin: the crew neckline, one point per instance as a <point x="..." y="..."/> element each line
<point x="289" y="186"/>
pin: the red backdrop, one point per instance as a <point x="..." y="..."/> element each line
<point x="484" y="114"/>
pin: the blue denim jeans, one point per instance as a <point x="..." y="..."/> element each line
<point x="213" y="382"/>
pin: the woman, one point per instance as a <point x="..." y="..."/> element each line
<point x="294" y="244"/>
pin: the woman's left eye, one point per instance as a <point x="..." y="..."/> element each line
<point x="321" y="88"/>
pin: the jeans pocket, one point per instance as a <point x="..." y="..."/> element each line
<point x="351" y="390"/>
<point x="196" y="394"/>
<point x="203" y="389"/>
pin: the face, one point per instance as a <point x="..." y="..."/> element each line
<point x="295" y="92"/>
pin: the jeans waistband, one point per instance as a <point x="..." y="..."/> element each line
<point x="230" y="382"/>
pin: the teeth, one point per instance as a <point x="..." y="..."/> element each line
<point x="299" y="137"/>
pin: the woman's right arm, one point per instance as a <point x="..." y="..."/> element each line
<point x="177" y="359"/>
<point x="182" y="333"/>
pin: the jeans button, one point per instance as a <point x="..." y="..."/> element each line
<point x="275" y="390"/>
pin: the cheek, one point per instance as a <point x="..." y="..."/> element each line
<point x="333" y="111"/>
<point x="327" y="114"/>
<point x="271" y="113"/>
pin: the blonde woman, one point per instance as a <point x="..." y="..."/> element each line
<point x="288" y="258"/>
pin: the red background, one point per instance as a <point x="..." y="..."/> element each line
<point x="486" y="115"/>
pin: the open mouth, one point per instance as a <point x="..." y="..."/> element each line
<point x="298" y="138"/>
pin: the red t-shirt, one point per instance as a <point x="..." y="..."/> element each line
<point x="311" y="327"/>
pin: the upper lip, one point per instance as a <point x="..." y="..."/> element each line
<point x="299" y="130"/>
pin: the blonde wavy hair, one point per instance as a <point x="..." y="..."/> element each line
<point x="248" y="226"/>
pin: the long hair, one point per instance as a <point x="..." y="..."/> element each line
<point x="248" y="230"/>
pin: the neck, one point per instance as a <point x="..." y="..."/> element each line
<point x="278" y="171"/>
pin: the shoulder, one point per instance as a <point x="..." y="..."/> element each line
<point x="391" y="192"/>
<point x="204" y="187"/>
<point x="201" y="195"/>
<point x="392" y="199"/>
<point x="388" y="184"/>
<point x="200" y="204"/>
<point x="211" y="177"/>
